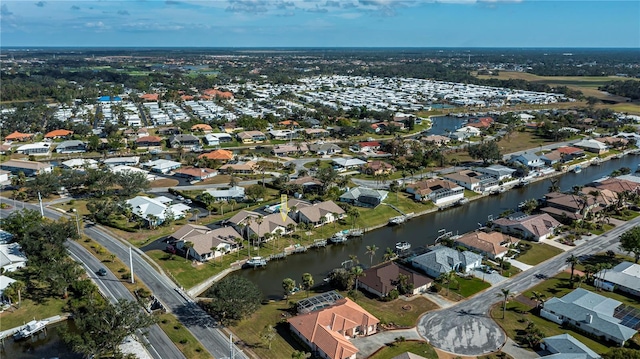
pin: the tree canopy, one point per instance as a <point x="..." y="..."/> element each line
<point x="233" y="299"/>
<point x="486" y="151"/>
<point x="630" y="242"/>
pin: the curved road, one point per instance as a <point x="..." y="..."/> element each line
<point x="467" y="329"/>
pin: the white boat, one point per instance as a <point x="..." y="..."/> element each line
<point x="338" y="237"/>
<point x="403" y="246"/>
<point x="577" y="169"/>
<point x="355" y="232"/>
<point x="256" y="262"/>
<point x="29" y="329"/>
<point x="397" y="220"/>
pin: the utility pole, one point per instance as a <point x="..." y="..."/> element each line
<point x="77" y="221"/>
<point x="131" y="265"/>
<point x="41" y="207"/>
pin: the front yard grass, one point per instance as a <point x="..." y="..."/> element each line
<point x="469" y="286"/>
<point x="398" y="312"/>
<point x="182" y="337"/>
<point x="394" y="349"/>
<point x="538" y="253"/>
<point x="189" y="273"/>
<point x="29" y="309"/>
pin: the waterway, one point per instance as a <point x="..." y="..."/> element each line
<point x="48" y="345"/>
<point x="420" y="231"/>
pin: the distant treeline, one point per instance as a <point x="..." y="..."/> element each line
<point x="628" y="88"/>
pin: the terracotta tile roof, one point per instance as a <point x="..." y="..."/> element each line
<point x="18" y="136"/>
<point x="567" y="150"/>
<point x="369" y="144"/>
<point x="150" y="97"/>
<point x="619" y="185"/>
<point x="218" y="93"/>
<point x="327" y="328"/>
<point x="222" y="155"/>
<point x="482" y="122"/>
<point x="426" y="187"/>
<point x="58" y="133"/>
<point x="288" y="123"/>
<point x="378" y="165"/>
<point x="201" y="127"/>
<point x="149" y="139"/>
<point x="486" y="242"/>
<point x="194" y="171"/>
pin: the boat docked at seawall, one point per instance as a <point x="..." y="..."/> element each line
<point x="256" y="262"/>
<point x="403" y="246"/>
<point x="339" y="237"/>
<point x="394" y="221"/>
<point x="30" y="329"/>
<point x="354" y="232"/>
<point x="577" y="169"/>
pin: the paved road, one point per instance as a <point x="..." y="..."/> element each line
<point x="155" y="339"/>
<point x="467" y="329"/>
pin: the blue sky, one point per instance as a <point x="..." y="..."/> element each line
<point x="321" y="23"/>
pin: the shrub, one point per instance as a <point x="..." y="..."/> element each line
<point x="393" y="295"/>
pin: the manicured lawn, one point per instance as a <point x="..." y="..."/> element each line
<point x="185" y="271"/>
<point x="164" y="182"/>
<point x="605" y="228"/>
<point x="29" y="310"/>
<point x="470" y="286"/>
<point x="399" y="312"/>
<point x="519" y="141"/>
<point x="539" y="253"/>
<point x="470" y="194"/>
<point x="273" y="313"/>
<point x="394" y="349"/>
<point x="626" y="215"/>
<point x="182" y="337"/>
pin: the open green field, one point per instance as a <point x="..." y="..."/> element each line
<point x="394" y="349"/>
<point x="539" y="253"/>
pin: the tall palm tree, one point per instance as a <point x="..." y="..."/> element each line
<point x="307" y="282"/>
<point x="357" y="272"/>
<point x="448" y="278"/>
<point x="232" y="203"/>
<point x="554" y="187"/>
<point x="187" y="245"/>
<point x="506" y="295"/>
<point x="388" y="254"/>
<point x="371" y="251"/>
<point x="538" y="297"/>
<point x="259" y="221"/>
<point x="573" y="261"/>
<point x="18" y="287"/>
<point x="353" y="259"/>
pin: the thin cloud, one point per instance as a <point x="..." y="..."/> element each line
<point x="4" y="10"/>
<point x="123" y="13"/>
<point x="248" y="6"/>
<point x="75" y="7"/>
<point x="40" y="4"/>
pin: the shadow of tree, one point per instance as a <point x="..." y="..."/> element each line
<point x="193" y="315"/>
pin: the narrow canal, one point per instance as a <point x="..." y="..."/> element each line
<point x="42" y="345"/>
<point x="419" y="231"/>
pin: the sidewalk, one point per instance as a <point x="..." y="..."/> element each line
<point x="522" y="266"/>
<point x="553" y="243"/>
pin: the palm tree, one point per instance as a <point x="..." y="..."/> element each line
<point x="448" y="278"/>
<point x="554" y="187"/>
<point x="353" y="259"/>
<point x="187" y="245"/>
<point x="357" y="272"/>
<point x="288" y="284"/>
<point x="573" y="261"/>
<point x="371" y="251"/>
<point x="307" y="282"/>
<point x="18" y="287"/>
<point x="195" y="212"/>
<point x="232" y="203"/>
<point x="538" y="297"/>
<point x="259" y="221"/>
<point x="506" y="295"/>
<point x="388" y="254"/>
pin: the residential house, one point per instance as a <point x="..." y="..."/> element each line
<point x="614" y="142"/>
<point x="322" y="148"/>
<point x="5" y="148"/>
<point x="530" y="160"/>
<point x="207" y="243"/>
<point x="4" y="176"/>
<point x="348" y="163"/>
<point x="382" y="279"/>
<point x="437" y="140"/>
<point x="500" y="172"/>
<point x="570" y="153"/>
<point x="319" y="214"/>
<point x="156" y="210"/>
<point x="289" y="124"/>
<point x="216" y="139"/>
<point x="364" y="197"/>
<point x="29" y="168"/>
<point x="187" y="142"/>
<point x="11" y="257"/>
<point x="364" y="147"/>
<point x="440" y="260"/>
<point x="481" y="122"/>
<point x="624" y="277"/>
<point x="122" y="161"/>
<point x="592" y="313"/>
<point x="316" y="132"/>
<point x="167" y="131"/>
<point x="618" y="185"/>
<point x="71" y="146"/>
<point x="308" y="183"/>
<point x="18" y="136"/>
<point x="564" y="346"/>
<point x="125" y="168"/>
<point x="569" y="206"/>
<point x="35" y="149"/>
<point x="288" y="150"/>
<point x="162" y="166"/>
<point x="195" y="173"/>
<point x="592" y="145"/>
<point x="5" y="282"/>
<point x="472" y="180"/>
<point x="56" y="134"/>
<point x="247" y="167"/>
<point x="218" y="155"/>
<point x="283" y="135"/>
<point x="235" y="193"/>
<point x="551" y="158"/>
<point x="492" y="245"/>
<point x="231" y="127"/>
<point x="437" y="190"/>
<point x="79" y="164"/>
<point x="149" y="142"/>
<point x="150" y="97"/>
<point x="375" y="168"/>
<point x="327" y="331"/>
<point x="535" y="227"/>
<point x="201" y="127"/>
<point x="251" y="137"/>
<point x="465" y="132"/>
<point x="255" y="224"/>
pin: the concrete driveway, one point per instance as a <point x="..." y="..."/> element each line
<point x="369" y="345"/>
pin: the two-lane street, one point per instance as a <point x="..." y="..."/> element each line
<point x="467" y="329"/>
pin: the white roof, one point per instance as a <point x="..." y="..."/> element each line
<point x="346" y="162"/>
<point x="591" y="143"/>
<point x="11" y="257"/>
<point x="116" y="160"/>
<point x="5" y="282"/>
<point x="32" y="146"/>
<point x="145" y="206"/>
<point x="233" y="192"/>
<point x="162" y="164"/>
<point x="80" y="162"/>
<point x="625" y="274"/>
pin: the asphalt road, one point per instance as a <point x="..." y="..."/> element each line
<point x="155" y="340"/>
<point x="467" y="329"/>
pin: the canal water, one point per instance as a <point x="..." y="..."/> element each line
<point x="48" y="345"/>
<point x="420" y="231"/>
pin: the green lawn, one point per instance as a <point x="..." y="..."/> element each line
<point x="182" y="337"/>
<point x="399" y="312"/>
<point x="605" y="228"/>
<point x="470" y="194"/>
<point x="185" y="272"/>
<point x="539" y="253"/>
<point x="469" y="286"/>
<point x="15" y="317"/>
<point x="394" y="349"/>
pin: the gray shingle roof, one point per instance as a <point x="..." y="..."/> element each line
<point x="625" y="274"/>
<point x="566" y="344"/>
